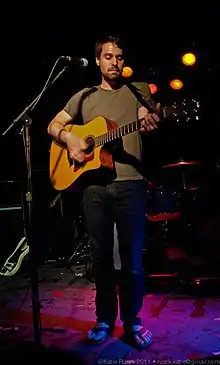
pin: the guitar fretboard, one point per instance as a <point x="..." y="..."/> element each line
<point x="118" y="133"/>
<point x="184" y="110"/>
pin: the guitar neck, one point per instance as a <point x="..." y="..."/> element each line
<point x="118" y="132"/>
<point x="185" y="110"/>
<point x="124" y="129"/>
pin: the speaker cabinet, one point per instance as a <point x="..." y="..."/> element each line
<point x="11" y="218"/>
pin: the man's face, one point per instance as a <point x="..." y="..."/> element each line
<point x="111" y="61"/>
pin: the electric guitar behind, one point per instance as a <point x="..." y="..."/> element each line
<point x="14" y="261"/>
<point x="98" y="133"/>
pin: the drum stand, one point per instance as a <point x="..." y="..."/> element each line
<point x="80" y="261"/>
<point x="81" y="257"/>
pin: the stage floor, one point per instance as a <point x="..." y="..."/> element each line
<point x="184" y="326"/>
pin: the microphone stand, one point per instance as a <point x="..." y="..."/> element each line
<point x="26" y="122"/>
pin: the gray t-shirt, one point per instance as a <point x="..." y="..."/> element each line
<point x="120" y="106"/>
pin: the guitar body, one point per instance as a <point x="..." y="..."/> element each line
<point x="99" y="134"/>
<point x="64" y="171"/>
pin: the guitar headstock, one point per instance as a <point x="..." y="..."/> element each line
<point x="187" y="109"/>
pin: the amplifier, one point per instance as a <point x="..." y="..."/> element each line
<point x="12" y="227"/>
<point x="10" y="193"/>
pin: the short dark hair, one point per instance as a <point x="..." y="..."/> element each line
<point x="105" y="39"/>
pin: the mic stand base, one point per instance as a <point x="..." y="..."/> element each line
<point x="36" y="308"/>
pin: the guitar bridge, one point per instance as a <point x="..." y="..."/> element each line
<point x="75" y="163"/>
<point x="90" y="141"/>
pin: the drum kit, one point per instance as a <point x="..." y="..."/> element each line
<point x="172" y="210"/>
<point x="178" y="181"/>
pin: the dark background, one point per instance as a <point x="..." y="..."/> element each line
<point x="155" y="37"/>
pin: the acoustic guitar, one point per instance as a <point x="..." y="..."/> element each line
<point x="97" y="134"/>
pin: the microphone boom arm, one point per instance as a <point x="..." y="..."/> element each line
<point x="21" y="116"/>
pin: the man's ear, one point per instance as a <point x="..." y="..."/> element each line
<point x="97" y="61"/>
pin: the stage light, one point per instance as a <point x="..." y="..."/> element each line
<point x="189" y="59"/>
<point x="176" y="84"/>
<point x="127" y="72"/>
<point x="153" y="88"/>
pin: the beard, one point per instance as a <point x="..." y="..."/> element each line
<point x="112" y="76"/>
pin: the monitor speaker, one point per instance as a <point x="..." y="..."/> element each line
<point x="12" y="228"/>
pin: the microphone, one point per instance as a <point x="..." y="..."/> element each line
<point x="82" y="62"/>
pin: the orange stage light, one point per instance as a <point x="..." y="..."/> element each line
<point x="176" y="84"/>
<point x="127" y="72"/>
<point x="189" y="59"/>
<point x="153" y="88"/>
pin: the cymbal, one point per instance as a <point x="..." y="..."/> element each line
<point x="182" y="163"/>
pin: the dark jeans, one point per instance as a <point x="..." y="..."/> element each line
<point x="122" y="203"/>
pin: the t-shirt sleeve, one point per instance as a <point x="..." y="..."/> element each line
<point x="72" y="106"/>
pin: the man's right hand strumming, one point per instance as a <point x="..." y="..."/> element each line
<point x="76" y="147"/>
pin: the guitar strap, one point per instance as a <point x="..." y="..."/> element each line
<point x="143" y="97"/>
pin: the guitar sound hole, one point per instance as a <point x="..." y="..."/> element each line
<point x="90" y="141"/>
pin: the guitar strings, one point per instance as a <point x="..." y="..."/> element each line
<point x="114" y="132"/>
